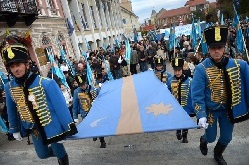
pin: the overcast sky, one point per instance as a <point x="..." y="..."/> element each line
<point x="143" y="8"/>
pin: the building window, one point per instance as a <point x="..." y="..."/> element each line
<point x="61" y="37"/>
<point x="52" y="6"/>
<point x="99" y="6"/>
<point x="8" y="5"/>
<point x="111" y="12"/>
<point x="46" y="40"/>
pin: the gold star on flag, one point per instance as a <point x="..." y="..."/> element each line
<point x="157" y="109"/>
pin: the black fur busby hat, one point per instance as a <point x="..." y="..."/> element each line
<point x="99" y="75"/>
<point x="216" y="35"/>
<point x="158" y="60"/>
<point x="13" y="50"/>
<point x="80" y="79"/>
<point x="177" y="63"/>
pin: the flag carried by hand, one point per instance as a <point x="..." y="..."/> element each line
<point x="172" y="38"/>
<point x="135" y="108"/>
<point x="193" y="35"/>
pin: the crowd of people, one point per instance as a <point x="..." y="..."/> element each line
<point x="210" y="86"/>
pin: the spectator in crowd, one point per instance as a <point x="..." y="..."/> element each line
<point x="134" y="60"/>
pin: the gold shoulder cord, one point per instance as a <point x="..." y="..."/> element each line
<point x="217" y="85"/>
<point x="211" y="83"/>
<point x="235" y="82"/>
<point x="17" y="95"/>
<point x="42" y="110"/>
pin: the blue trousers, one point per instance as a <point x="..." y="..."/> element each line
<point x="42" y="150"/>
<point x="226" y="128"/>
<point x="143" y="66"/>
<point x="117" y="73"/>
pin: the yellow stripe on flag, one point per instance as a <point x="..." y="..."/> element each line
<point x="130" y="120"/>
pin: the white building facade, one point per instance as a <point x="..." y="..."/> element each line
<point x="96" y="23"/>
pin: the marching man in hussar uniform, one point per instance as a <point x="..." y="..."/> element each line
<point x="179" y="85"/>
<point x="35" y="104"/>
<point x="220" y="92"/>
<point x="160" y="71"/>
<point x="84" y="95"/>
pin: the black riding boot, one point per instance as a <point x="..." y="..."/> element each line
<point x="218" y="150"/>
<point x="50" y="152"/>
<point x="179" y="134"/>
<point x="102" y="142"/>
<point x="64" y="160"/>
<point x="10" y="137"/>
<point x="203" y="146"/>
<point x="184" y="136"/>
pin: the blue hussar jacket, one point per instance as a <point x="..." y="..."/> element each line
<point x="162" y="75"/>
<point x="82" y="100"/>
<point x="181" y="90"/>
<point x="47" y="111"/>
<point x="213" y="88"/>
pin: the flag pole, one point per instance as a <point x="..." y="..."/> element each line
<point x="174" y="42"/>
<point x="196" y="50"/>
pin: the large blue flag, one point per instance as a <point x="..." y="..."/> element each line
<point x="104" y="45"/>
<point x="117" y="43"/>
<point x="83" y="22"/>
<point x="222" y="20"/>
<point x="4" y="79"/>
<point x="172" y="38"/>
<point x="193" y="35"/>
<point x="55" y="69"/>
<point x="87" y="45"/>
<point x="69" y="63"/>
<point x="130" y="106"/>
<point x="237" y="4"/>
<point x="127" y="51"/>
<point x="239" y="34"/>
<point x="198" y="27"/>
<point x="89" y="72"/>
<point x="109" y="73"/>
<point x="204" y="46"/>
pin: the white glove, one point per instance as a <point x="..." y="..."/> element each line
<point x="17" y="136"/>
<point x="76" y="120"/>
<point x="100" y="85"/>
<point x="203" y="123"/>
<point x="61" y="142"/>
<point x="119" y="60"/>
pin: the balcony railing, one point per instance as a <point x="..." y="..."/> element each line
<point x="18" y="6"/>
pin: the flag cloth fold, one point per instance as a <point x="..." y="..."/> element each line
<point x="133" y="105"/>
